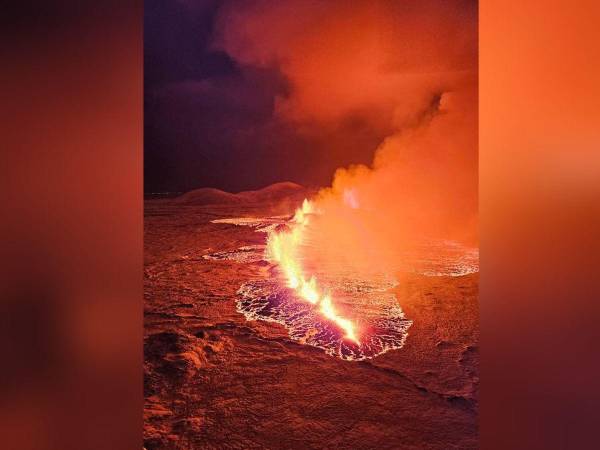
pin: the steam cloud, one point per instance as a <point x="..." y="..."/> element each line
<point x="406" y="70"/>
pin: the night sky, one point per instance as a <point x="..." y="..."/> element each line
<point x="239" y="95"/>
<point x="209" y="121"/>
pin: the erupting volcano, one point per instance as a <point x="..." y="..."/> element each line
<point x="247" y="308"/>
<point x="282" y="247"/>
<point x="315" y="285"/>
<point x="327" y="302"/>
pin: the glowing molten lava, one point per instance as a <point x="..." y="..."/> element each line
<point x="282" y="247"/>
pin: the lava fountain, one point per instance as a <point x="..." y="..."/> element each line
<point x="282" y="248"/>
<point x="351" y="313"/>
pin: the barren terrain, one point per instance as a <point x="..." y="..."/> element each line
<point x="214" y="380"/>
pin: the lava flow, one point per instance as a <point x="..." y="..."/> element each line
<point x="282" y="247"/>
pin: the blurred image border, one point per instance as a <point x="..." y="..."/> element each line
<point x="72" y="291"/>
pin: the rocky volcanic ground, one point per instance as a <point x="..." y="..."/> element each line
<point x="214" y="380"/>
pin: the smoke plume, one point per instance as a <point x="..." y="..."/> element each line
<point x="405" y="70"/>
